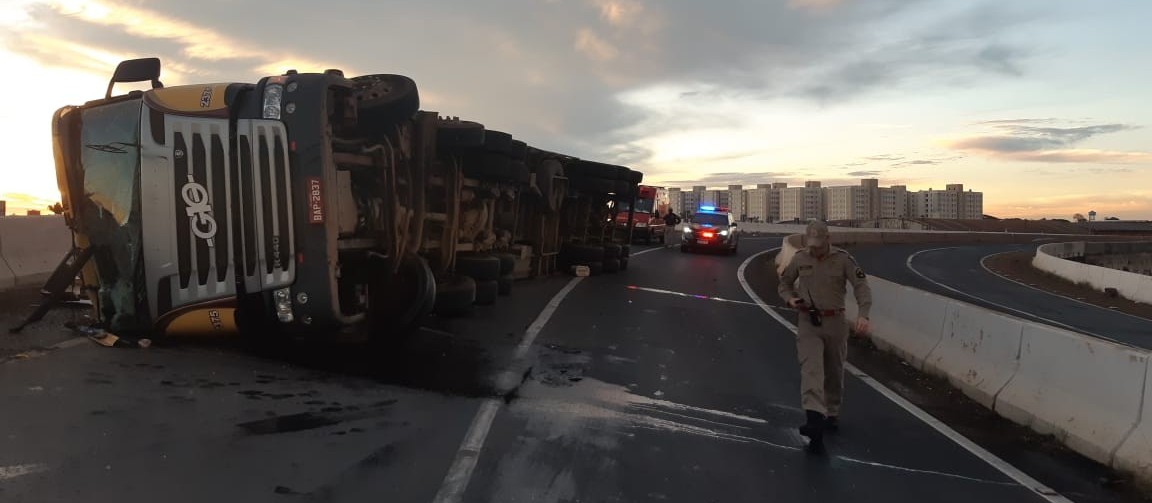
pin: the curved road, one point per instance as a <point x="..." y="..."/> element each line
<point x="958" y="272"/>
<point x="666" y="383"/>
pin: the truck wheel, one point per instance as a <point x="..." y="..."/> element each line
<point x="478" y="267"/>
<point x="612" y="251"/>
<point x="596" y="268"/>
<point x="497" y="141"/>
<point x="506" y="284"/>
<point x="583" y="254"/>
<point x="517" y="150"/>
<point x="590" y="169"/>
<point x="507" y="263"/>
<point x="386" y="98"/>
<point x="595" y="185"/>
<point x="456" y="297"/>
<point x="486" y="292"/>
<point x="459" y="134"/>
<point x="397" y="303"/>
<point x="611" y="265"/>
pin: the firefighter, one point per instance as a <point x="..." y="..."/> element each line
<point x="814" y="283"/>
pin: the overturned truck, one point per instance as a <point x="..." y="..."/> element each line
<point x="311" y="204"/>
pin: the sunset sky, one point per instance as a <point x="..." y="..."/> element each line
<point x="1041" y="104"/>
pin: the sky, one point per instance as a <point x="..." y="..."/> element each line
<point x="1040" y="104"/>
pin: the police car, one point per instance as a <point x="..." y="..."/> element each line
<point x="710" y="228"/>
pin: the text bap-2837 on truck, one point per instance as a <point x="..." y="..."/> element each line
<point x="315" y="204"/>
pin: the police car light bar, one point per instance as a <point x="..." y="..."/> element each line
<point x="707" y="208"/>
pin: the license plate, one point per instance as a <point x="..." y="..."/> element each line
<point x="704" y="241"/>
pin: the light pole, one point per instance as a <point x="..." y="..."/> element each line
<point x="1091" y="217"/>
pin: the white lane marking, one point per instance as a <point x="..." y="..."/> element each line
<point x="14" y="471"/>
<point x="689" y="295"/>
<point x="456" y="481"/>
<point x="1041" y="490"/>
<point x="1006" y="278"/>
<point x="650" y="250"/>
<point x="1025" y="314"/>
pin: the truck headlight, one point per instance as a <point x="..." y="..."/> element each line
<point x="283" y="298"/>
<point x="724" y="232"/>
<point x="273" y="95"/>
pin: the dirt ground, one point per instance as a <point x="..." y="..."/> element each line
<point x="1017" y="266"/>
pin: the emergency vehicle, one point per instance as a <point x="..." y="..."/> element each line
<point x="710" y="228"/>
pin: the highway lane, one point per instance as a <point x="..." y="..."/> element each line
<point x="639" y="395"/>
<point x="666" y="383"/>
<point x="957" y="272"/>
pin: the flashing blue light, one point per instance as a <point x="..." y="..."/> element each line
<point x="707" y="208"/>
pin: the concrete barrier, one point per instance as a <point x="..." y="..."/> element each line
<point x="1053" y="258"/>
<point x="905" y="321"/>
<point x="979" y="351"/>
<point x="1085" y="391"/>
<point x="33" y="246"/>
<point x="1135" y="454"/>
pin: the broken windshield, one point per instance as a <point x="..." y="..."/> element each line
<point x="109" y="211"/>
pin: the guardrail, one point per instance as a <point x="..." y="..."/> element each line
<point x="1053" y="257"/>
<point x="1093" y="395"/>
<point x="30" y="248"/>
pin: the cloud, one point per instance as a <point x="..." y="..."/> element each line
<point x="814" y="5"/>
<point x="865" y="173"/>
<point x="1122" y="204"/>
<point x="1021" y="140"/>
<point x="884" y="157"/>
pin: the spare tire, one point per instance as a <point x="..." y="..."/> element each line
<point x="595" y="268"/>
<point x="497" y="141"/>
<point x="591" y="169"/>
<point x="455" y="298"/>
<point x="486" y="292"/>
<point x="583" y="254"/>
<point x="385" y="98"/>
<point x="611" y="265"/>
<point x="478" y="267"/>
<point x="517" y="150"/>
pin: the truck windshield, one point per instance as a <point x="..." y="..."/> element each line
<point x="642" y="205"/>
<point x="108" y="213"/>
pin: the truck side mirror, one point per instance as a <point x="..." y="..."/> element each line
<point x="136" y="70"/>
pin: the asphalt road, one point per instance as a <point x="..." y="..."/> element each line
<point x="957" y="272"/>
<point x="665" y="383"/>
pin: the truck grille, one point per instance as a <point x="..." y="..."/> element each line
<point x="269" y="245"/>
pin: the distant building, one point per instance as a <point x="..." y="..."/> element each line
<point x="802" y="203"/>
<point x="676" y="201"/>
<point x="895" y="202"/>
<point x="33" y="213"/>
<point x="738" y="202"/>
<point x="952" y="203"/>
<point x="3" y="207"/>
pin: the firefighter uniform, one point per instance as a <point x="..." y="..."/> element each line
<point x="821" y="282"/>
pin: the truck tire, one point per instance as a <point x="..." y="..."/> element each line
<point x="497" y="141"/>
<point x="595" y="268"/>
<point x="583" y="254"/>
<point x="611" y="265"/>
<point x="507" y="263"/>
<point x="506" y="284"/>
<point x="398" y="303"/>
<point x="624" y="264"/>
<point x="456" y="297"/>
<point x="459" y="134"/>
<point x="612" y="251"/>
<point x="478" y="267"/>
<point x="518" y="150"/>
<point x="486" y="292"/>
<point x="386" y="98"/>
<point x="591" y="169"/>
<point x="593" y="185"/>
